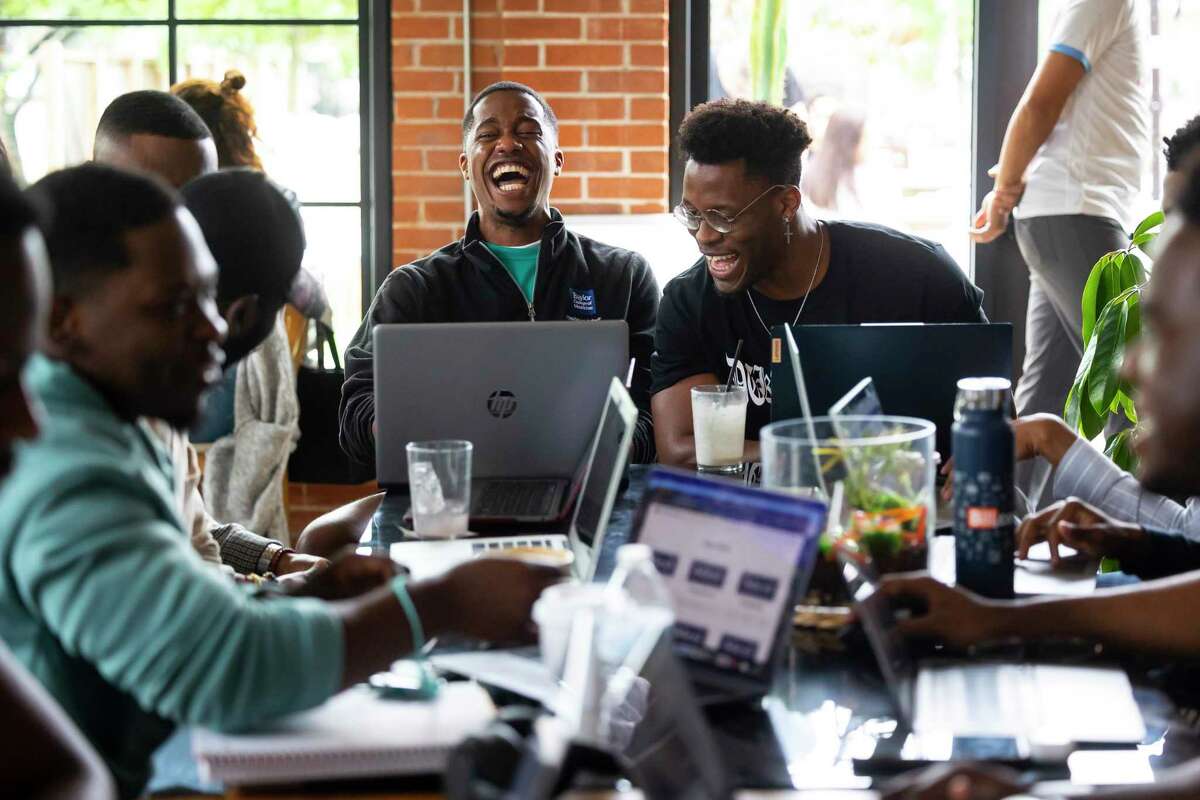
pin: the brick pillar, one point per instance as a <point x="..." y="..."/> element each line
<point x="602" y="65"/>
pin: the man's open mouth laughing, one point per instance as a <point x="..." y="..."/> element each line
<point x="722" y="266"/>
<point x="510" y="177"/>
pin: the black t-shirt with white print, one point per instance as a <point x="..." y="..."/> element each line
<point x="875" y="274"/>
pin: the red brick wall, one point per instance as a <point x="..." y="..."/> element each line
<point x="602" y="64"/>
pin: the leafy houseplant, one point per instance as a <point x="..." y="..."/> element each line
<point x="1111" y="321"/>
<point x="768" y="50"/>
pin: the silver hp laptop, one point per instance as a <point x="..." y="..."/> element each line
<point x="602" y="477"/>
<point x="1032" y="705"/>
<point x="526" y="394"/>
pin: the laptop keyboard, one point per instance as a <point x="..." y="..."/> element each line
<point x="516" y="500"/>
<point x="505" y="544"/>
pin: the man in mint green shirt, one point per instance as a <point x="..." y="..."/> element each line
<point x="101" y="596"/>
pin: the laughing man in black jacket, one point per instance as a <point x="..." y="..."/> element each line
<point x="517" y="261"/>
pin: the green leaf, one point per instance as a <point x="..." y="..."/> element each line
<point x="1143" y="239"/>
<point x="1153" y="221"/>
<point x="1091" y="424"/>
<point x="1133" y="274"/>
<point x="1072" y="411"/>
<point x="1125" y="401"/>
<point x="1119" y="450"/>
<point x="1079" y="413"/>
<point x="1106" y="360"/>
<point x="1091" y="290"/>
<point x="1133" y="328"/>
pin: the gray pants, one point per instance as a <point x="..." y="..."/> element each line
<point x="1060" y="252"/>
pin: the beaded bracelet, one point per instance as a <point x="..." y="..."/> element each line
<point x="400" y="589"/>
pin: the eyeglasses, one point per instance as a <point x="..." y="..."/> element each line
<point x="715" y="219"/>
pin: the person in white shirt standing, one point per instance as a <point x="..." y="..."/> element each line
<point x="1071" y="168"/>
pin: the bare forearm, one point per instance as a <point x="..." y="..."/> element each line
<point x="377" y="631"/>
<point x="1158" y="616"/>
<point x="1028" y="130"/>
<point x="677" y="451"/>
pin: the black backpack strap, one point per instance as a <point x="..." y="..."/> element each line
<point x="325" y="337"/>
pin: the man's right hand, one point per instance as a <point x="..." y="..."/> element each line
<point x="1076" y="524"/>
<point x="491" y="598"/>
<point x="990" y="221"/>
<point x="1042" y="435"/>
<point x="944" y="613"/>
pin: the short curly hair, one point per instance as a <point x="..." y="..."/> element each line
<point x="770" y="139"/>
<point x="228" y="114"/>
<point x="1182" y="143"/>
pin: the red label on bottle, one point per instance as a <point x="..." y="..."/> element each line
<point x="982" y="518"/>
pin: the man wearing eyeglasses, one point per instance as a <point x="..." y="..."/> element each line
<point x="516" y="262"/>
<point x="765" y="262"/>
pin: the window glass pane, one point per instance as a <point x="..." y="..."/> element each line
<point x="83" y="9"/>
<point x="55" y="82"/>
<point x="266" y="9"/>
<point x="303" y="83"/>
<point x="334" y="237"/>
<point x="1173" y="62"/>
<point x="885" y="86"/>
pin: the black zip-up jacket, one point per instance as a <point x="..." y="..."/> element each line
<point x="577" y="278"/>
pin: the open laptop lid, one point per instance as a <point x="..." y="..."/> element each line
<point x="915" y="368"/>
<point x="526" y="394"/>
<point x="879" y="623"/>
<point x="735" y="560"/>
<point x="602" y="478"/>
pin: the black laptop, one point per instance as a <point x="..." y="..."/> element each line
<point x="915" y="368"/>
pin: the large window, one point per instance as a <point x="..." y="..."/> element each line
<point x="63" y="61"/>
<point x="885" y="86"/>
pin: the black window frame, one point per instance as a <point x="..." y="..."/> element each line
<point x="374" y="73"/>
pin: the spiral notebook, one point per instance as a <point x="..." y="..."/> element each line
<point x="355" y="734"/>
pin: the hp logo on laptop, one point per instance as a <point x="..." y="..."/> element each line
<point x="502" y="403"/>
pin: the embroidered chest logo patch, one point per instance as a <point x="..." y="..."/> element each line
<point x="583" y="303"/>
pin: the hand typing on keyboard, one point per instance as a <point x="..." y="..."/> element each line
<point x="943" y="613"/>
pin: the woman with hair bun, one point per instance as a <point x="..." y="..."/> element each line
<point x="228" y="114"/>
<point x="268" y="404"/>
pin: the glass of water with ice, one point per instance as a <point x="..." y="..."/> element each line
<point x="439" y="487"/>
<point x="719" y="425"/>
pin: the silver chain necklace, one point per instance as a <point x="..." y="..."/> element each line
<point x="811" y="280"/>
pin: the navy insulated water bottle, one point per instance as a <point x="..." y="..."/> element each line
<point x="984" y="536"/>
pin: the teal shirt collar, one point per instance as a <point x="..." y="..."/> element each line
<point x="63" y="391"/>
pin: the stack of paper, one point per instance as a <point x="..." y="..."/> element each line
<point x="355" y="734"/>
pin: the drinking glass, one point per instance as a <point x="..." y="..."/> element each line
<point x="719" y="423"/>
<point x="439" y="485"/>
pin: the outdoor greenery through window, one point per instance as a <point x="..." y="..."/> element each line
<point x="63" y="61"/>
<point x="885" y="86"/>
